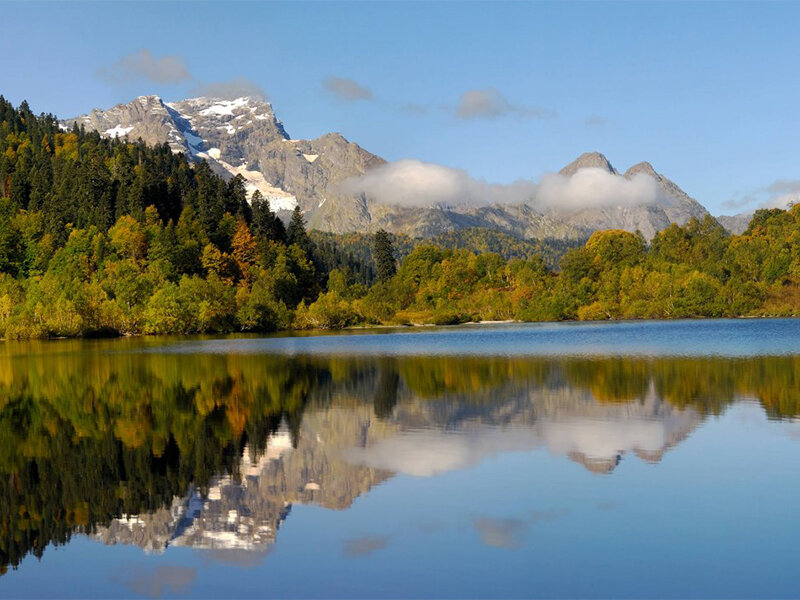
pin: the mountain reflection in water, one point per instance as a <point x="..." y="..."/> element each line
<point x="212" y="451"/>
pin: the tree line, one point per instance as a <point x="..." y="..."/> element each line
<point x="113" y="237"/>
<point x="691" y="271"/>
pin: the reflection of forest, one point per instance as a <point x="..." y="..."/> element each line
<point x="211" y="451"/>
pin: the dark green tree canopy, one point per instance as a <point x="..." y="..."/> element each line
<point x="296" y="233"/>
<point x="383" y="251"/>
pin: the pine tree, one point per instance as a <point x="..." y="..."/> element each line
<point x="266" y="225"/>
<point x="278" y="230"/>
<point x="296" y="232"/>
<point x="384" y="256"/>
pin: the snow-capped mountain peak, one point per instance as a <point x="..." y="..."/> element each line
<point x="243" y="137"/>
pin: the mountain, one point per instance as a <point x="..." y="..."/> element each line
<point x="243" y="136"/>
<point x="588" y="160"/>
<point x="735" y="224"/>
<point x="676" y="206"/>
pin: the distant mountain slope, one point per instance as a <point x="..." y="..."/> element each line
<point x="682" y="207"/>
<point x="735" y="224"/>
<point x="243" y="137"/>
<point x="676" y="206"/>
<point x="355" y="249"/>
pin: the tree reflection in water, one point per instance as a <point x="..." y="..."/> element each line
<point x="211" y="451"/>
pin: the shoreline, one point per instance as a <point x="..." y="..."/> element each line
<point x="400" y="326"/>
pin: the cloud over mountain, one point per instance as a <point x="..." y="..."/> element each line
<point x="228" y="90"/>
<point x="415" y="183"/>
<point x="143" y="66"/>
<point x="596" y="187"/>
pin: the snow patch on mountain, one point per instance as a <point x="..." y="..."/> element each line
<point x="255" y="180"/>
<point x="118" y="131"/>
<point x="225" y="107"/>
<point x="194" y="143"/>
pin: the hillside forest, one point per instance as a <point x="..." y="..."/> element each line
<point x="113" y="237"/>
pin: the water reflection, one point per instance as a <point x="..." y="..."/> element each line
<point x="166" y="450"/>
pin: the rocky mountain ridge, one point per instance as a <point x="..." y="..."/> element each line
<point x="243" y="136"/>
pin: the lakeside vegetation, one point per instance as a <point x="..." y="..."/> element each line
<point x="111" y="237"/>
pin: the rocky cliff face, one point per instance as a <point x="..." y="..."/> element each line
<point x="588" y="160"/>
<point x="735" y="224"/>
<point x="243" y="137"/>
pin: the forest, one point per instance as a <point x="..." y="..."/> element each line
<point x="112" y="237"/>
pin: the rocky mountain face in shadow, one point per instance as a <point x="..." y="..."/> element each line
<point x="243" y="137"/>
<point x="735" y="224"/>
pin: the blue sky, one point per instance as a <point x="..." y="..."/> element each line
<point x="707" y="92"/>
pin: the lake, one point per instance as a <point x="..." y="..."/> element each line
<point x="633" y="459"/>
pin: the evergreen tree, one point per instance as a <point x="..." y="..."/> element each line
<point x="384" y="256"/>
<point x="266" y="224"/>
<point x="262" y="214"/>
<point x="278" y="230"/>
<point x="296" y="233"/>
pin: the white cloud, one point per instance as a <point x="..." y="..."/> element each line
<point x="782" y="201"/>
<point x="595" y="121"/>
<point x="596" y="187"/>
<point x="344" y="88"/>
<point x="785" y="193"/>
<point x="415" y="183"/>
<point x="143" y="65"/>
<point x="781" y="193"/>
<point x="229" y="90"/>
<point x="489" y="103"/>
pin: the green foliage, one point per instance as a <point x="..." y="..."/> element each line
<point x="296" y="232"/>
<point x="383" y="251"/>
<point x="101" y="236"/>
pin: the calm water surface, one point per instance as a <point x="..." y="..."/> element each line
<point x="576" y="460"/>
